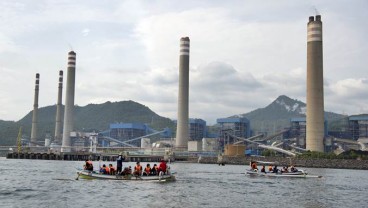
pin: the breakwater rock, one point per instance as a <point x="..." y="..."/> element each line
<point x="287" y="161"/>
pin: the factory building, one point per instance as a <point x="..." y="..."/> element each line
<point x="239" y="127"/>
<point x="197" y="129"/>
<point x="298" y="130"/>
<point x="127" y="131"/>
<point x="358" y="126"/>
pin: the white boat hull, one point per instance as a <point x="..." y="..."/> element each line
<point x="298" y="174"/>
<point x="94" y="175"/>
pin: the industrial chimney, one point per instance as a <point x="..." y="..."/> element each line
<point x="58" y="137"/>
<point x="69" y="103"/>
<point x="34" y="132"/>
<point x="315" y="99"/>
<point x="182" y="133"/>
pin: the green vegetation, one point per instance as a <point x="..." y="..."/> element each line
<point x="93" y="117"/>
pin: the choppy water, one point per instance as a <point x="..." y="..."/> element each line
<point x="40" y="183"/>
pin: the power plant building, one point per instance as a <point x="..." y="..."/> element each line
<point x="128" y="131"/>
<point x="239" y="127"/>
<point x="197" y="129"/>
<point x="298" y="130"/>
<point x="315" y="98"/>
<point x="358" y="126"/>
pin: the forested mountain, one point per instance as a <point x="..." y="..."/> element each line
<point x="88" y="118"/>
<point x="97" y="117"/>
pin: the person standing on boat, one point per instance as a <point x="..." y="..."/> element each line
<point x="162" y="166"/>
<point x="119" y="163"/>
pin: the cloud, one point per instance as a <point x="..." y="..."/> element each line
<point x="86" y="32"/>
<point x="243" y="55"/>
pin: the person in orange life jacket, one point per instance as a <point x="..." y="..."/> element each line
<point x="107" y="170"/>
<point x="112" y="170"/>
<point x="137" y="169"/>
<point x="154" y="169"/>
<point x="162" y="167"/>
<point x="147" y="170"/>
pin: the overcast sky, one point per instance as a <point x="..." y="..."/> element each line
<point x="243" y="55"/>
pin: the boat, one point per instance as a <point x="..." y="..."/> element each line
<point x="292" y="174"/>
<point x="86" y="174"/>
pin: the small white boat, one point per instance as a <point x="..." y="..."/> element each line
<point x="290" y="174"/>
<point x="85" y="174"/>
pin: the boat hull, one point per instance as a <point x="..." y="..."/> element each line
<point x="94" y="175"/>
<point x="298" y="174"/>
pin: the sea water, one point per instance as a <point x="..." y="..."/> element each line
<point x="46" y="183"/>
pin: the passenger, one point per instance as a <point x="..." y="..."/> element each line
<point x="125" y="171"/>
<point x="275" y="170"/>
<point x="88" y="165"/>
<point x="285" y="169"/>
<point x="138" y="169"/>
<point x="270" y="168"/>
<point x="130" y="170"/>
<point x="119" y="163"/>
<point x="103" y="169"/>
<point x="162" y="166"/>
<point x="263" y="170"/>
<point x="293" y="169"/>
<point x="112" y="170"/>
<point x="147" y="170"/>
<point x="254" y="166"/>
<point x="154" y="169"/>
<point x="107" y="170"/>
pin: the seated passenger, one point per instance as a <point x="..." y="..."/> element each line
<point x="254" y="166"/>
<point x="263" y="170"/>
<point x="137" y="169"/>
<point x="275" y="170"/>
<point x="270" y="168"/>
<point x="88" y="165"/>
<point x="154" y="170"/>
<point x="112" y="169"/>
<point x="293" y="169"/>
<point x="147" y="170"/>
<point x="103" y="169"/>
<point x="126" y="171"/>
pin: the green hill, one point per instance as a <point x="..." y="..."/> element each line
<point x="88" y="118"/>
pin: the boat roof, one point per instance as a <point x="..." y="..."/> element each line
<point x="266" y="163"/>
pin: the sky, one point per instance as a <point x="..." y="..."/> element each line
<point x="243" y="54"/>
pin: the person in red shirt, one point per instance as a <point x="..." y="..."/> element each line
<point x="162" y="166"/>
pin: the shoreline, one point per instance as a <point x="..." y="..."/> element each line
<point x="287" y="161"/>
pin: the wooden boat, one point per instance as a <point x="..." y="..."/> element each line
<point x="85" y="174"/>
